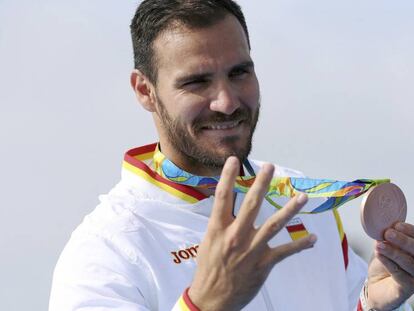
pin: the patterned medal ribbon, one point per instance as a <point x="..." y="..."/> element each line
<point x="336" y="192"/>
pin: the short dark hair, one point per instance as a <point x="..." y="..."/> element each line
<point x="155" y="16"/>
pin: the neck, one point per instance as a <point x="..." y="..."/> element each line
<point x="188" y="164"/>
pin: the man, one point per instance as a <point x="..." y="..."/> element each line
<point x="156" y="243"/>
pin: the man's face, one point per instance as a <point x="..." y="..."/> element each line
<point x="207" y="93"/>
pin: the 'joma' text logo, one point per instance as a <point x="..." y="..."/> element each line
<point x="185" y="254"/>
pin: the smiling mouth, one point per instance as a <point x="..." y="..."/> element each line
<point x="222" y="125"/>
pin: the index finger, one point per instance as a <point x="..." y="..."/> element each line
<point x="222" y="213"/>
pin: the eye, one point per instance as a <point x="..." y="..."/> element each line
<point x="239" y="72"/>
<point x="194" y="82"/>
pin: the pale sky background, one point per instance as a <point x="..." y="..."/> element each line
<point x="337" y="102"/>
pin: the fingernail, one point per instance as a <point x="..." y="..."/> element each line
<point x="232" y="160"/>
<point x="268" y="168"/>
<point x="390" y="234"/>
<point x="301" y="198"/>
<point x="313" y="238"/>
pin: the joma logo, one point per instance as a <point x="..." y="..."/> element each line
<point x="185" y="254"/>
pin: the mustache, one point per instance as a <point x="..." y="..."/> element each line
<point x="218" y="117"/>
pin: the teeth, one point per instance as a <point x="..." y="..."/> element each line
<point x="222" y="127"/>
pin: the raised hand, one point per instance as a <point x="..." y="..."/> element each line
<point x="234" y="259"/>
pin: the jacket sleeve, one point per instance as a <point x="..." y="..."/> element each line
<point x="92" y="274"/>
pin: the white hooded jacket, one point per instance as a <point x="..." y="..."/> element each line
<point x="137" y="251"/>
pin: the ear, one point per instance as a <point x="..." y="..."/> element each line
<point x="144" y="90"/>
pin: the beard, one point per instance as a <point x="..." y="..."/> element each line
<point x="191" y="147"/>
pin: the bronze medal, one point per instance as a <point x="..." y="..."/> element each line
<point x="382" y="207"/>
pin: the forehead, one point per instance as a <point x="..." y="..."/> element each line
<point x="182" y="49"/>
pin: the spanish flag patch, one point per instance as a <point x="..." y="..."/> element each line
<point x="296" y="229"/>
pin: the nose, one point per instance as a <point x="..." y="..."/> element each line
<point x="225" y="99"/>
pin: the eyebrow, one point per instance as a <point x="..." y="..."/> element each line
<point x="200" y="76"/>
<point x="244" y="65"/>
